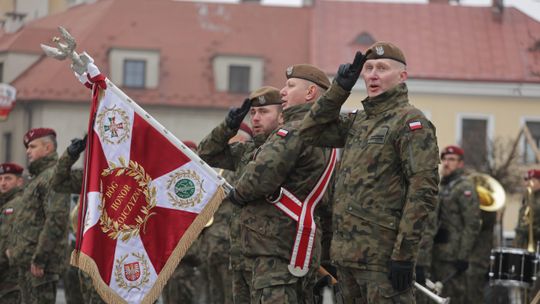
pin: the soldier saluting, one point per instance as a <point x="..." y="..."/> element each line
<point x="387" y="182"/>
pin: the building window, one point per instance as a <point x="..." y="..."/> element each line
<point x="474" y="140"/>
<point x="239" y="78"/>
<point x="1" y="72"/>
<point x="7" y="146"/>
<point x="134" y="73"/>
<point x="529" y="157"/>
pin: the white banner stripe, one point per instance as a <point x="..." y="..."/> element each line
<point x="114" y="125"/>
<point x="92" y="210"/>
<point x="128" y="276"/>
<point x="187" y="188"/>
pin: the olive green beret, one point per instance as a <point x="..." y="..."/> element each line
<point x="265" y="96"/>
<point x="309" y="72"/>
<point x="385" y="50"/>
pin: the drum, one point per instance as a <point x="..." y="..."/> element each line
<point x="512" y="267"/>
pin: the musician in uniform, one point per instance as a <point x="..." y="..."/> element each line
<point x="458" y="225"/>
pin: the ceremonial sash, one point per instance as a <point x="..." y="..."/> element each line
<point x="302" y="213"/>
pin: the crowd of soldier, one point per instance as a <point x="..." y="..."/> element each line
<point x="384" y="221"/>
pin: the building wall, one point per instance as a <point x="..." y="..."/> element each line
<point x="15" y="64"/>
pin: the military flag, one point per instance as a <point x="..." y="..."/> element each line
<point x="145" y="198"/>
<point x="7" y="100"/>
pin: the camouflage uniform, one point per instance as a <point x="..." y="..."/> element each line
<point x="217" y="243"/>
<point x="67" y="180"/>
<point x="9" y="290"/>
<point x="40" y="232"/>
<point x="267" y="234"/>
<point x="384" y="191"/>
<point x="479" y="259"/>
<point x="425" y="253"/>
<point x="184" y="285"/>
<point x="215" y="150"/>
<point x="459" y="225"/>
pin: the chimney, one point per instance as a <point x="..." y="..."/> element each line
<point x="14" y="21"/>
<point x="497" y="7"/>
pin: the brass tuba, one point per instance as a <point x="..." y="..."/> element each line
<point x="491" y="193"/>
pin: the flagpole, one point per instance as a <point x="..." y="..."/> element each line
<point x="186" y="150"/>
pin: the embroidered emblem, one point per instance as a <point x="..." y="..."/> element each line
<point x="8" y="211"/>
<point x="379" y="50"/>
<point x="113" y="125"/>
<point x="282" y="132"/>
<point x="126" y="199"/>
<point x="289" y="71"/>
<point x="185" y="189"/>
<point x="132" y="274"/>
<point x="467" y="193"/>
<point x="415" y="125"/>
<point x="262" y="100"/>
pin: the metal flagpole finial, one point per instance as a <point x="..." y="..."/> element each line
<point x="66" y="49"/>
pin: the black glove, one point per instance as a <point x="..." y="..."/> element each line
<point x="348" y="73"/>
<point x="461" y="266"/>
<point x="420" y="275"/>
<point x="236" y="115"/>
<point x="232" y="197"/>
<point x="401" y="275"/>
<point x="77" y="146"/>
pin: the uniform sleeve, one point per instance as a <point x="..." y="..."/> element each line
<point x="323" y="125"/>
<point x="275" y="159"/>
<point x="467" y="198"/>
<point x="419" y="154"/>
<point x="66" y="180"/>
<point x="216" y="151"/>
<point x="426" y="243"/>
<point x="56" y="212"/>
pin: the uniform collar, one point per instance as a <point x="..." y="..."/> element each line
<point x="387" y="100"/>
<point x="296" y="112"/>
<point x="38" y="166"/>
<point x="453" y="176"/>
<point x="259" y="139"/>
<point x="6" y="197"/>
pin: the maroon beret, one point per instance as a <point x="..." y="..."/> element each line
<point x="11" y="168"/>
<point x="190" y="144"/>
<point x="37" y="133"/>
<point x="452" y="150"/>
<point x="244" y="127"/>
<point x="533" y="173"/>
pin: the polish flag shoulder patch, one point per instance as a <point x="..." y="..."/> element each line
<point x="467" y="193"/>
<point x="8" y="211"/>
<point x="282" y="132"/>
<point x="415" y="125"/>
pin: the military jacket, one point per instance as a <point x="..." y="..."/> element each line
<point x="388" y="178"/>
<point x="522" y="229"/>
<point x="458" y="219"/>
<point x="64" y="179"/>
<point x="284" y="160"/>
<point x="9" y="204"/>
<point x="40" y="227"/>
<point x="217" y="152"/>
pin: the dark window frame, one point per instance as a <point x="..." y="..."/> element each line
<point x="237" y="85"/>
<point x="128" y="83"/>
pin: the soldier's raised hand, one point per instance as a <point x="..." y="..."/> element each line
<point x="77" y="146"/>
<point x="236" y="115"/>
<point x="348" y="73"/>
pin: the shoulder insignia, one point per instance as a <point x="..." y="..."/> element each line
<point x="8" y="211"/>
<point x="467" y="193"/>
<point x="282" y="132"/>
<point x="415" y="125"/>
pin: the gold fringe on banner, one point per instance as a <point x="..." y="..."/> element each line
<point x="88" y="265"/>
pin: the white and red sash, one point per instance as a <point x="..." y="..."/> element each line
<point x="302" y="213"/>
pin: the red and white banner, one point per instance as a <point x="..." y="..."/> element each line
<point x="145" y="198"/>
<point x="7" y="100"/>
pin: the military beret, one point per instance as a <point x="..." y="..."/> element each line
<point x="385" y="50"/>
<point x="533" y="173"/>
<point x="190" y="144"/>
<point x="244" y="127"/>
<point x="265" y="96"/>
<point x="37" y="133"/>
<point x="308" y="72"/>
<point x="452" y="150"/>
<point x="11" y="168"/>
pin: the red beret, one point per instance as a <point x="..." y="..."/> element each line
<point x="37" y="133"/>
<point x="533" y="174"/>
<point x="190" y="144"/>
<point x="452" y="150"/>
<point x="12" y="168"/>
<point x="244" y="127"/>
